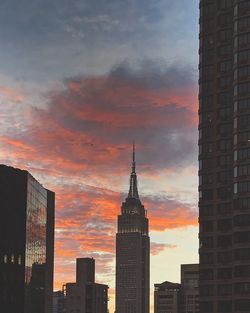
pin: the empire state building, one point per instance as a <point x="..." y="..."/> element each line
<point x="132" y="253"/>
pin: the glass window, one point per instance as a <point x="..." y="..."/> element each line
<point x="225" y="257"/>
<point x="224" y="273"/>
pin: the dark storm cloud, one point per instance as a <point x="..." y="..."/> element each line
<point x="42" y="38"/>
<point x="93" y="120"/>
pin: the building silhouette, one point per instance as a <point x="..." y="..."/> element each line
<point x="132" y="253"/>
<point x="86" y="296"/>
<point x="59" y="301"/>
<point x="224" y="156"/>
<point x="189" y="288"/>
<point x="179" y="298"/>
<point x="167" y="297"/>
<point x="27" y="243"/>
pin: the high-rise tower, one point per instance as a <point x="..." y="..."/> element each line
<point x="224" y="156"/>
<point x="26" y="243"/>
<point x="132" y="253"/>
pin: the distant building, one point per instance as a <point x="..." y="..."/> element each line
<point x="27" y="243"/>
<point x="132" y="253"/>
<point x="167" y="297"/>
<point x="59" y="302"/>
<point x="86" y="296"/>
<point x="190" y="288"/>
<point x="179" y="298"/>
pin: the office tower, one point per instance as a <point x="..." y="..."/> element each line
<point x="26" y="243"/>
<point x="224" y="156"/>
<point x="189" y="288"/>
<point x="132" y="253"/>
<point x="167" y="297"/>
<point x="86" y="296"/>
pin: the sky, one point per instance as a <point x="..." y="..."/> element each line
<point x="79" y="81"/>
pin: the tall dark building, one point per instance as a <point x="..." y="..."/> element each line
<point x="86" y="296"/>
<point x="224" y="156"/>
<point x="26" y="243"/>
<point x="132" y="253"/>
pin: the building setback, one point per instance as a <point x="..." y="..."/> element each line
<point x="132" y="253"/>
<point x="224" y="156"/>
<point x="27" y="243"/>
<point x="86" y="296"/>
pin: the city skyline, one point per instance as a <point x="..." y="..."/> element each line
<point x="77" y="84"/>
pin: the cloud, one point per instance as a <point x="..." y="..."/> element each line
<point x="91" y="123"/>
<point x="156" y="248"/>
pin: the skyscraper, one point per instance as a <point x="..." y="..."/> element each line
<point x="26" y="243"/>
<point x="132" y="253"/>
<point x="224" y="156"/>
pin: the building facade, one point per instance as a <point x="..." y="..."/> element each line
<point x="27" y="243"/>
<point x="59" y="301"/>
<point x="86" y="296"/>
<point x="224" y="156"/>
<point x="132" y="253"/>
<point x="179" y="298"/>
<point x="167" y="297"/>
<point x="189" y="288"/>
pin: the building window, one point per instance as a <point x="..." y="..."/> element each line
<point x="243" y="138"/>
<point x="224" y="273"/>
<point x="206" y="306"/>
<point x="225" y="98"/>
<point x="244" y="39"/>
<point x="242" y="220"/>
<point x="243" y="154"/>
<point x="206" y="226"/>
<point x="242" y="254"/>
<point x="242" y="288"/>
<point x="224" y="114"/>
<point x="242" y="237"/>
<point x="242" y="271"/>
<point x="206" y="274"/>
<point x="207" y="242"/>
<point x="224" y="192"/>
<point x="207" y="194"/>
<point x="224" y="208"/>
<point x="225" y="130"/>
<point x="225" y="4"/>
<point x="224" y="289"/>
<point x="207" y="258"/>
<point x="242" y="187"/>
<point x="224" y="225"/>
<point x="242" y="204"/>
<point x="224" y="160"/>
<point x="224" y="306"/>
<point x="206" y="210"/>
<point x="207" y="290"/>
<point x="224" y="257"/>
<point x="224" y="241"/>
<point x="225" y="176"/>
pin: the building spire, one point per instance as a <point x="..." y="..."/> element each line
<point x="133" y="190"/>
